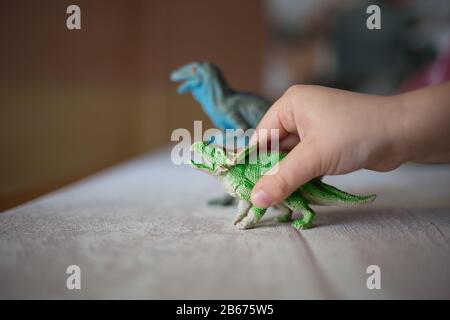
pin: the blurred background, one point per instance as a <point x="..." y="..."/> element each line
<point x="75" y="102"/>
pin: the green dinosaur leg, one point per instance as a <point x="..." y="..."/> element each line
<point x="252" y="218"/>
<point x="224" y="200"/>
<point x="296" y="203"/>
<point x="243" y="207"/>
<point x="285" y="216"/>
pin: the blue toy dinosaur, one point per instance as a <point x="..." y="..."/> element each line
<point x="227" y="108"/>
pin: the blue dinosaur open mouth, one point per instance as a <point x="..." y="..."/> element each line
<point x="189" y="77"/>
<point x="188" y="85"/>
<point x="179" y="75"/>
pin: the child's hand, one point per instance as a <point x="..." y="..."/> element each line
<point x="335" y="132"/>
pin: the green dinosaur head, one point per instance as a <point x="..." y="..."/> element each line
<point x="217" y="160"/>
<point x="194" y="75"/>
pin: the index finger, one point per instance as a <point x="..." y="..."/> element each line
<point x="278" y="117"/>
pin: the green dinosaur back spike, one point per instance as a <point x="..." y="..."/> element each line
<point x="242" y="154"/>
<point x="318" y="192"/>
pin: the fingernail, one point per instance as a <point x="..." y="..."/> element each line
<point x="261" y="199"/>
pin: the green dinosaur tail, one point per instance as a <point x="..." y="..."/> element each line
<point x="318" y="192"/>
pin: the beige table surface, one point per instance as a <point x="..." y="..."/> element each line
<point x="143" y="230"/>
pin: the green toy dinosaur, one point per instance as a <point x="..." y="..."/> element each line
<point x="239" y="172"/>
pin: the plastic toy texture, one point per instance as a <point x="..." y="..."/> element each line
<point x="239" y="172"/>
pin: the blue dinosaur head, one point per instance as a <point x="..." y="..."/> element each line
<point x="194" y="75"/>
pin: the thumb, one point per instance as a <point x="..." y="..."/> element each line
<point x="297" y="168"/>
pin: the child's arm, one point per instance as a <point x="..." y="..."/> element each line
<point x="334" y="132"/>
<point x="427" y="125"/>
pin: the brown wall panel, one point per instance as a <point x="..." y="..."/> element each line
<point x="74" y="102"/>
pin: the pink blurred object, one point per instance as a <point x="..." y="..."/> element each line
<point x="434" y="73"/>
